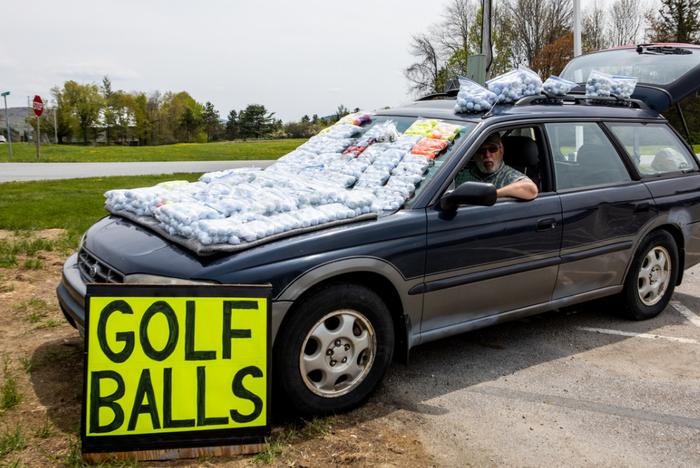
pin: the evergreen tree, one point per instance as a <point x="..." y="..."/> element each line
<point x="210" y="117"/>
<point x="677" y="21"/>
<point x="232" y="128"/>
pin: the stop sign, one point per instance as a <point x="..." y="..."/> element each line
<point x="38" y="106"/>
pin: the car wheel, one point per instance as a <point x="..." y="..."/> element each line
<point x="334" y="350"/>
<point x="652" y="277"/>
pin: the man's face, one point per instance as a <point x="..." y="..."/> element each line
<point x="489" y="158"/>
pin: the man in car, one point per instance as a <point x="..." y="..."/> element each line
<point x="488" y="166"/>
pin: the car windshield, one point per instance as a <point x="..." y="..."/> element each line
<point x="403" y="124"/>
<point x="649" y="67"/>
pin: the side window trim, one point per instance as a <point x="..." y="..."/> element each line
<point x="690" y="152"/>
<point x="631" y="172"/>
<point x="621" y="151"/>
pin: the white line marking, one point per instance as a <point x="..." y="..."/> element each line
<point x="639" y="335"/>
<point x="687" y="313"/>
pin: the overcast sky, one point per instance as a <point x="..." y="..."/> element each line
<point x="295" y="57"/>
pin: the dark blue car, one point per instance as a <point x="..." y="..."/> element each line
<point x="617" y="214"/>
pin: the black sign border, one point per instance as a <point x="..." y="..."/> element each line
<point x="183" y="439"/>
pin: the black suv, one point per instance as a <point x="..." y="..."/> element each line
<point x="617" y="215"/>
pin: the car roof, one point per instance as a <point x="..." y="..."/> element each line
<point x="444" y="109"/>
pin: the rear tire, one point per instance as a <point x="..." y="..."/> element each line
<point x="652" y="277"/>
<point x="333" y="351"/>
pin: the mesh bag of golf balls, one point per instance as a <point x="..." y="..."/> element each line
<point x="555" y="86"/>
<point x="473" y="97"/>
<point x="515" y="84"/>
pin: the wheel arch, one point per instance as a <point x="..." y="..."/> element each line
<point x="373" y="273"/>
<point x="677" y="233"/>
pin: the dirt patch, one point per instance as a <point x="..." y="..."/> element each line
<point x="41" y="358"/>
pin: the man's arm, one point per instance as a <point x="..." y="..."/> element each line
<point x="525" y="189"/>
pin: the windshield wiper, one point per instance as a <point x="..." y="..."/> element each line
<point x="648" y="49"/>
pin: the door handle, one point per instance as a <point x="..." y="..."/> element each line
<point x="546" y="224"/>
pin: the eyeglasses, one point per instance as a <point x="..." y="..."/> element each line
<point x="493" y="149"/>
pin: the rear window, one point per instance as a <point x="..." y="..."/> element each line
<point x="654" y="149"/>
<point x="650" y="68"/>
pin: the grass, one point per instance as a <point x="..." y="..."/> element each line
<point x="44" y="432"/>
<point x="10" y="249"/>
<point x="72" y="204"/>
<point x="9" y="393"/>
<point x="10" y="441"/>
<point x="35" y="309"/>
<point x="228" y="150"/>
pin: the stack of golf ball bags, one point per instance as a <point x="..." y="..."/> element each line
<point x="342" y="173"/>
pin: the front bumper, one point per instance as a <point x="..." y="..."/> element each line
<point x="72" y="289"/>
<point x="71" y="294"/>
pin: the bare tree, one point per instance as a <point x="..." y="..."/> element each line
<point x="626" y="21"/>
<point x="593" y="31"/>
<point x="537" y="23"/>
<point x="454" y="33"/>
<point x="427" y="73"/>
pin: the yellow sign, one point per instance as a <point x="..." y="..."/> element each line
<point x="169" y="363"/>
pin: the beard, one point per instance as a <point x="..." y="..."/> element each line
<point x="489" y="167"/>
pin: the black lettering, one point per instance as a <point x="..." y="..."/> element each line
<point x="98" y="401"/>
<point x="168" y="420"/>
<point x="202" y="419"/>
<point x="144" y="391"/>
<point x="190" y="353"/>
<point x="241" y="392"/>
<point x="228" y="333"/>
<point x="155" y="308"/>
<point x="126" y="337"/>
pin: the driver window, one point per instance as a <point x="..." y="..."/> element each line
<point x="519" y="156"/>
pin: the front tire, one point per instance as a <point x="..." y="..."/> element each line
<point x="334" y="350"/>
<point x="652" y="277"/>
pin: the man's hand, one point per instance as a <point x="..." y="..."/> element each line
<point x="524" y="189"/>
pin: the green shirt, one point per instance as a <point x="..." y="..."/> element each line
<point x="505" y="175"/>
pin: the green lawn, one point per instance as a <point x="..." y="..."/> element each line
<point x="697" y="149"/>
<point x="72" y="204"/>
<point x="229" y="150"/>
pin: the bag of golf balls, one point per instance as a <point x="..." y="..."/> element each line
<point x="623" y="86"/>
<point x="555" y="86"/>
<point x="599" y="84"/>
<point x="515" y="84"/>
<point x="473" y="97"/>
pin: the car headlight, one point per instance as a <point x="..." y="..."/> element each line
<point x="155" y="279"/>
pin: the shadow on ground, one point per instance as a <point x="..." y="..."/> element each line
<point x="57" y="378"/>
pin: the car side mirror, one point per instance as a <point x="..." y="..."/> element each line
<point x="469" y="193"/>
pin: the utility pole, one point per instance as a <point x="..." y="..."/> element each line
<point x="486" y="49"/>
<point x="7" y="121"/>
<point x="577" y="28"/>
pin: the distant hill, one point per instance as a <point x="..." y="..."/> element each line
<point x="17" y="116"/>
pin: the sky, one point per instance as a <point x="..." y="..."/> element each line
<point x="295" y="57"/>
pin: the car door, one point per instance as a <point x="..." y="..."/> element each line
<point x="603" y="208"/>
<point x="487" y="260"/>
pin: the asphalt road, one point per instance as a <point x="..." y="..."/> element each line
<point x="44" y="171"/>
<point x="573" y="388"/>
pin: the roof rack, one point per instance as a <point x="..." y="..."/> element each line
<point x="545" y="99"/>
<point x="434" y="96"/>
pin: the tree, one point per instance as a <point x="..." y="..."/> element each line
<point x="108" y="112"/>
<point x="426" y="74"/>
<point x="232" y="127"/>
<point x="255" y="121"/>
<point x="537" y="23"/>
<point x="593" y="30"/>
<point x="676" y="21"/>
<point x="211" y="120"/>
<point x="341" y="112"/>
<point x="626" y="20"/>
<point x="64" y="116"/>
<point x="85" y="103"/>
<point x="553" y="57"/>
